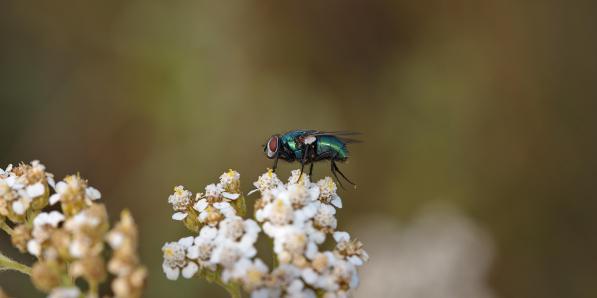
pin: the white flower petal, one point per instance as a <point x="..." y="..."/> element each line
<point x="200" y="205"/>
<point x="190" y="270"/>
<point x="92" y="193"/>
<point x="341" y="236"/>
<point x="355" y="260"/>
<point x="61" y="187"/>
<point x="336" y="201"/>
<point x="186" y="242"/>
<point x="35" y="190"/>
<point x="309" y="275"/>
<point x="208" y="233"/>
<point x="33" y="247"/>
<point x="171" y="273"/>
<point x="18" y="207"/>
<point x="54" y="198"/>
<point x="231" y="196"/>
<point x="179" y="216"/>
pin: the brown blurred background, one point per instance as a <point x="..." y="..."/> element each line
<point x="488" y="106"/>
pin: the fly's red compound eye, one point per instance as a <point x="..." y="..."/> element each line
<point x="272" y="146"/>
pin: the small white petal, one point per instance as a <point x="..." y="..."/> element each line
<point x="33" y="247"/>
<point x="355" y="260"/>
<point x="61" y="187"/>
<point x="341" y="236"/>
<point x="190" y="270"/>
<point x="200" y="205"/>
<point x="309" y="275"/>
<point x="193" y="252"/>
<point x="336" y="201"/>
<point x="18" y="207"/>
<point x="186" y="242"/>
<point x="35" y="190"/>
<point x="252" y="191"/>
<point x="51" y="182"/>
<point x="208" y="233"/>
<point x="171" y="273"/>
<point x="10" y="180"/>
<point x="92" y="193"/>
<point x="179" y="216"/>
<point x="54" y="198"/>
<point x="54" y="218"/>
<point x="231" y="196"/>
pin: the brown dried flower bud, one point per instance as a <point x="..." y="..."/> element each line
<point x="45" y="276"/>
<point x="92" y="269"/>
<point x="20" y="236"/>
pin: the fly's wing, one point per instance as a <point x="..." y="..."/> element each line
<point x="344" y="136"/>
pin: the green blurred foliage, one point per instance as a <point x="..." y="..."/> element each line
<point x="489" y="105"/>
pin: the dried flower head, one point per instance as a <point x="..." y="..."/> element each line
<point x="68" y="243"/>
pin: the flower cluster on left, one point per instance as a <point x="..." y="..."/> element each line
<point x="65" y="228"/>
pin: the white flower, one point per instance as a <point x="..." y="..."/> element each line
<point x="294" y="178"/>
<point x="72" y="292"/>
<point x="324" y="218"/>
<point x="203" y="246"/>
<point x="266" y="181"/>
<point x="74" y="188"/>
<point x="279" y="212"/>
<point x="328" y="193"/>
<point x="43" y="224"/>
<point x="250" y="273"/>
<point x="175" y="258"/>
<point x="180" y="201"/>
<point x="213" y="191"/>
<point x="351" y="250"/>
<point x="229" y="178"/>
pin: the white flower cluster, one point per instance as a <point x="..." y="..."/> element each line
<point x="219" y="201"/>
<point x="22" y="189"/>
<point x="68" y="243"/>
<point x="297" y="216"/>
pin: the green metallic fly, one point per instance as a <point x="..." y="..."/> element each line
<point x="310" y="146"/>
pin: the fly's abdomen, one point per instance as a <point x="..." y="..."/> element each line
<point x="332" y="145"/>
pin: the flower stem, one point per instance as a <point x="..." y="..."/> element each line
<point x="6" y="228"/>
<point x="232" y="288"/>
<point x="8" y="264"/>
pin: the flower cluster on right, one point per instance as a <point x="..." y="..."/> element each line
<point x="297" y="216"/>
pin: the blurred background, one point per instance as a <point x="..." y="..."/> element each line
<point x="477" y="174"/>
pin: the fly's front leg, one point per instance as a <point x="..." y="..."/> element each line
<point x="311" y="169"/>
<point x="303" y="161"/>
<point x="275" y="163"/>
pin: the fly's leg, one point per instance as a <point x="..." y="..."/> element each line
<point x="311" y="169"/>
<point x="303" y="161"/>
<point x="333" y="168"/>
<point x="275" y="163"/>
<point x="340" y="172"/>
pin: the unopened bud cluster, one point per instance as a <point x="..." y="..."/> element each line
<point x="69" y="241"/>
<point x="297" y="216"/>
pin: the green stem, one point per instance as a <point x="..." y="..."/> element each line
<point x="6" y="228"/>
<point x="9" y="264"/>
<point x="232" y="288"/>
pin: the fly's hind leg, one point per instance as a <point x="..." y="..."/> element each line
<point x="340" y="172"/>
<point x="333" y="168"/>
<point x="311" y="169"/>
